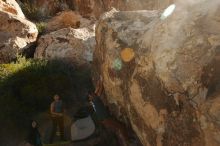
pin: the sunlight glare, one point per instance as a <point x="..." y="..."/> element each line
<point x="168" y="11"/>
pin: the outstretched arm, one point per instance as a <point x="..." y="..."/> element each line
<point x="99" y="87"/>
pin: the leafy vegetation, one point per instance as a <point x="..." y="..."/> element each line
<point x="27" y="87"/>
<point x="38" y="13"/>
<point x="41" y="27"/>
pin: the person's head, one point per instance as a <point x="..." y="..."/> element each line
<point x="56" y="97"/>
<point x="33" y="124"/>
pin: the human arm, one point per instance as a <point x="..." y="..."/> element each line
<point x="99" y="87"/>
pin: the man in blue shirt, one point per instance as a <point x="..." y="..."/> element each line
<point x="57" y="110"/>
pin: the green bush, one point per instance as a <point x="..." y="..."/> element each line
<point x="41" y="27"/>
<point x="27" y="87"/>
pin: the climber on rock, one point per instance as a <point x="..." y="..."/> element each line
<point x="57" y="111"/>
<point x="103" y="116"/>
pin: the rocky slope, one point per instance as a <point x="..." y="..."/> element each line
<point x="16" y="31"/>
<point x="162" y="76"/>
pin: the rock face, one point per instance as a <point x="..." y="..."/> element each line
<point x="162" y="76"/>
<point x="73" y="45"/>
<point x="15" y="31"/>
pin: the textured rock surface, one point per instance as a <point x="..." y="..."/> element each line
<point x="15" y="31"/>
<point x="67" y="19"/>
<point x="75" y="45"/>
<point x="169" y="90"/>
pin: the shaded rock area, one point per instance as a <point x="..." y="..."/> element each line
<point x="162" y="76"/>
<point x="16" y="33"/>
<point x="101" y="136"/>
<point x="73" y="45"/>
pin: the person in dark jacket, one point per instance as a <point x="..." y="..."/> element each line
<point x="34" y="138"/>
<point x="103" y="117"/>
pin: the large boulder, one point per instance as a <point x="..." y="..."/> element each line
<point x="161" y="74"/>
<point x="16" y="32"/>
<point x="73" y="45"/>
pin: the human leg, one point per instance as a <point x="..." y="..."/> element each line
<point x="54" y="128"/>
<point x="61" y="127"/>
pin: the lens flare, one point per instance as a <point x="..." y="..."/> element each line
<point x="168" y="11"/>
<point x="117" y="64"/>
<point x="127" y="54"/>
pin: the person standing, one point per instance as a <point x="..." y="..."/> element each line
<point x="33" y="138"/>
<point x="57" y="110"/>
<point x="103" y="117"/>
